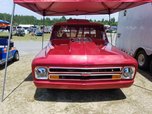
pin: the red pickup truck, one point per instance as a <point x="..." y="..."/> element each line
<point x="79" y="56"/>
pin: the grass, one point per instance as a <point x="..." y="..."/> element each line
<point x="27" y="37"/>
<point x="31" y="37"/>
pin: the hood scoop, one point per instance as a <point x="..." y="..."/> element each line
<point x="83" y="46"/>
<point x="76" y="47"/>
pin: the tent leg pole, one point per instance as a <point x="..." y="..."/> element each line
<point x="5" y="72"/>
<point x="110" y="28"/>
<point x="43" y="31"/>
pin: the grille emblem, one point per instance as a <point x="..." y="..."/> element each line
<point x="85" y="74"/>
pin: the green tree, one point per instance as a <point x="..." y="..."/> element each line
<point x="20" y="19"/>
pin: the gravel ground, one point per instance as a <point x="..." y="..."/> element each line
<point x="22" y="97"/>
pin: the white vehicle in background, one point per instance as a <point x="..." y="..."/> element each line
<point x="135" y="34"/>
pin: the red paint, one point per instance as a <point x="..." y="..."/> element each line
<point x="83" y="85"/>
<point x="78" y="7"/>
<point x="95" y="53"/>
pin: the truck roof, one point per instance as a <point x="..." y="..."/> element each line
<point x="78" y="22"/>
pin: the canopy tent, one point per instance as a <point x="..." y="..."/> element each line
<point x="77" y="7"/>
<point x="4" y="24"/>
<point x="3" y="21"/>
<point x="70" y="7"/>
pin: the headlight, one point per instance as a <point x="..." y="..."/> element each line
<point x="41" y="73"/>
<point x="128" y="72"/>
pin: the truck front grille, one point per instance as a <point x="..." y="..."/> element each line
<point x="91" y="70"/>
<point x="84" y="73"/>
<point x="86" y="77"/>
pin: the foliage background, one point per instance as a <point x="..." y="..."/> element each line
<point x="20" y="19"/>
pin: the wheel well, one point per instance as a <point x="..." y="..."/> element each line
<point x="16" y="52"/>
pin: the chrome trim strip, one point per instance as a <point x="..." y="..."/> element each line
<point x="79" y="80"/>
<point x="83" y="72"/>
<point x="85" y="68"/>
<point x="80" y="74"/>
<point x="73" y="68"/>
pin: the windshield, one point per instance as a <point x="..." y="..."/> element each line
<point x="75" y="31"/>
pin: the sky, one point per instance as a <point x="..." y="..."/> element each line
<point x="6" y="7"/>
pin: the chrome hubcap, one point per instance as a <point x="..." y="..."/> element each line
<point x="141" y="60"/>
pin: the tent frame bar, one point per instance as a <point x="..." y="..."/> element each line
<point x="43" y="31"/>
<point x="110" y="27"/>
<point x="9" y="40"/>
<point x="6" y="62"/>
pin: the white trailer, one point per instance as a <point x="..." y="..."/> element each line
<point x="135" y="34"/>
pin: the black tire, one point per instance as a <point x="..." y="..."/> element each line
<point x="151" y="66"/>
<point x="142" y="59"/>
<point x="16" y="56"/>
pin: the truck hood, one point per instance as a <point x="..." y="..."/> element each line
<point x="83" y="53"/>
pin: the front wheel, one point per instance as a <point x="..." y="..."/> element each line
<point x="142" y="59"/>
<point x="16" y="56"/>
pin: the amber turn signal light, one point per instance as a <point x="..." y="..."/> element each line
<point x="53" y="77"/>
<point x="116" y="77"/>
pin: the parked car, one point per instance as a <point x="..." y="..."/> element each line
<point x="134" y="37"/>
<point x="112" y="29"/>
<point x="79" y="56"/>
<point x="47" y="29"/>
<point x="19" y="31"/>
<point x="32" y="29"/>
<point x="13" y="54"/>
<point x="38" y="33"/>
